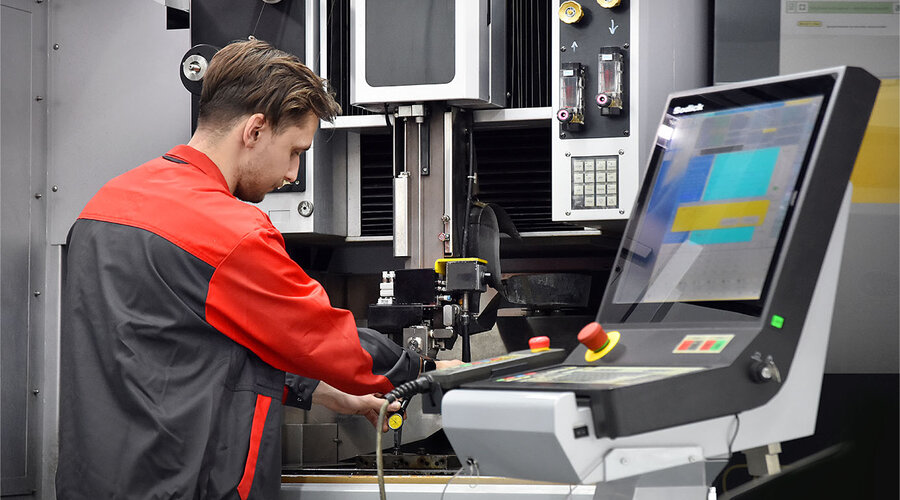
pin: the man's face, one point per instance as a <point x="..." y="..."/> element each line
<point x="274" y="159"/>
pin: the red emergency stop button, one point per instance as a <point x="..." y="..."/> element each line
<point x="593" y="336"/>
<point x="538" y="344"/>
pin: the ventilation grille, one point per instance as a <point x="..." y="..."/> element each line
<point x="338" y="20"/>
<point x="376" y="185"/>
<point x="528" y="53"/>
<point x="514" y="171"/>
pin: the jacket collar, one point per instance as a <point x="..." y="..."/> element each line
<point x="200" y="160"/>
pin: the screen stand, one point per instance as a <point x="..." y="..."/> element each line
<point x="687" y="482"/>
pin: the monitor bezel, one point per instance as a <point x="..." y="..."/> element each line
<point x="715" y="99"/>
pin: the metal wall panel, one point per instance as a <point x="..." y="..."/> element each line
<point x="22" y="229"/>
<point x="116" y="99"/>
<point x="747" y="38"/>
<point x="14" y="239"/>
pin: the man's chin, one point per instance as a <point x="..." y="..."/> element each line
<point x="250" y="198"/>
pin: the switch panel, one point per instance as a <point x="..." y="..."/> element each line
<point x="595" y="182"/>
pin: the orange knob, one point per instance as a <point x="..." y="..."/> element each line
<point x="538" y="344"/>
<point x="593" y="336"/>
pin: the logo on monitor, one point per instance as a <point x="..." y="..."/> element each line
<point x="688" y="109"/>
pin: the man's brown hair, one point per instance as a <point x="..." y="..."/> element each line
<point x="252" y="76"/>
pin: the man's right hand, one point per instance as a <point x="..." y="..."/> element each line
<point x="446" y="363"/>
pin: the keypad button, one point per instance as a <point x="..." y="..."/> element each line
<point x="600" y="177"/>
<point x="611" y="177"/>
<point x="600" y="189"/>
<point x="601" y="164"/>
<point x="578" y="165"/>
<point x="611" y="189"/>
<point x="578" y="177"/>
<point x="612" y="201"/>
<point x="579" y="189"/>
<point x="611" y="164"/>
<point x="589" y="165"/>
<point x="589" y="177"/>
<point x="588" y="201"/>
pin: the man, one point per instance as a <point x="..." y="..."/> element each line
<point x="182" y="311"/>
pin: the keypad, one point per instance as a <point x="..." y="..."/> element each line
<point x="595" y="182"/>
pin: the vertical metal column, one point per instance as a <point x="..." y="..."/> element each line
<point x="422" y="195"/>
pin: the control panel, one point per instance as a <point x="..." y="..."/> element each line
<point x="595" y="182"/>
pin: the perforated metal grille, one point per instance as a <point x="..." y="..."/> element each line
<point x="528" y="53"/>
<point x="376" y="185"/>
<point x="514" y="171"/>
<point x="338" y="21"/>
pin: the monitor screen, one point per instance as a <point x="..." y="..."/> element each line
<point x="710" y="225"/>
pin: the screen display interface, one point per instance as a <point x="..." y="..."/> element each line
<point x="722" y="191"/>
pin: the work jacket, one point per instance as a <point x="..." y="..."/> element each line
<point x="181" y="314"/>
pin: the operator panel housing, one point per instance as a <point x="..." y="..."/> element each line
<point x="714" y="277"/>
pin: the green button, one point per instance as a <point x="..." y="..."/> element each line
<point x="718" y="346"/>
<point x="777" y="321"/>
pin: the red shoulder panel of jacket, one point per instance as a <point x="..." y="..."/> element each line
<point x="188" y="204"/>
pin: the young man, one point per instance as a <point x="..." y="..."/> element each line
<point x="182" y="311"/>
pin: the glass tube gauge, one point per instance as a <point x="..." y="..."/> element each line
<point x="609" y="81"/>
<point x="571" y="96"/>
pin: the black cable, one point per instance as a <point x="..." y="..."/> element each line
<point x="408" y="389"/>
<point x="253" y="34"/>
<point x="737" y="427"/>
<point x="411" y="388"/>
<point x="469" y="189"/>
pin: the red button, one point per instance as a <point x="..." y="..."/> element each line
<point x="685" y="345"/>
<point x="539" y="343"/>
<point x="707" y="345"/>
<point x="593" y="336"/>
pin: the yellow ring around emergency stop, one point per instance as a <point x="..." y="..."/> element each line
<point x="591" y="356"/>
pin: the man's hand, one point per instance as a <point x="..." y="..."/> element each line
<point x="447" y="363"/>
<point x="348" y="404"/>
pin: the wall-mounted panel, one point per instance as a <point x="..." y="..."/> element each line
<point x="116" y="99"/>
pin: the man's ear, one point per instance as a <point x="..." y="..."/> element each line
<point x="254" y="124"/>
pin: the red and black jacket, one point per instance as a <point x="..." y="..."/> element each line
<point x="181" y="314"/>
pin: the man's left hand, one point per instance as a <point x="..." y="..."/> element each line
<point x="348" y="404"/>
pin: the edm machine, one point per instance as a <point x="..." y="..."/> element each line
<point x="538" y="120"/>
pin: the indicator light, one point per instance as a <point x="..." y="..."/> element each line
<point x="777" y="321"/>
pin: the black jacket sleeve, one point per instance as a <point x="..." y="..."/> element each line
<point x="399" y="365"/>
<point x="299" y="391"/>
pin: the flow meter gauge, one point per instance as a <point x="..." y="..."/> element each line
<point x="571" y="97"/>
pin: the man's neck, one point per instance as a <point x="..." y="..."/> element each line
<point x="220" y="151"/>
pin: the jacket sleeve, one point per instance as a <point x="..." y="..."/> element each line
<point x="298" y="391"/>
<point x="263" y="300"/>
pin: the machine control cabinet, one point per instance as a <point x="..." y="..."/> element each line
<point x="615" y="62"/>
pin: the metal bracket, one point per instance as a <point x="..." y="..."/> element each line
<point x="625" y="462"/>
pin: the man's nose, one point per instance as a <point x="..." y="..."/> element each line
<point x="292" y="173"/>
